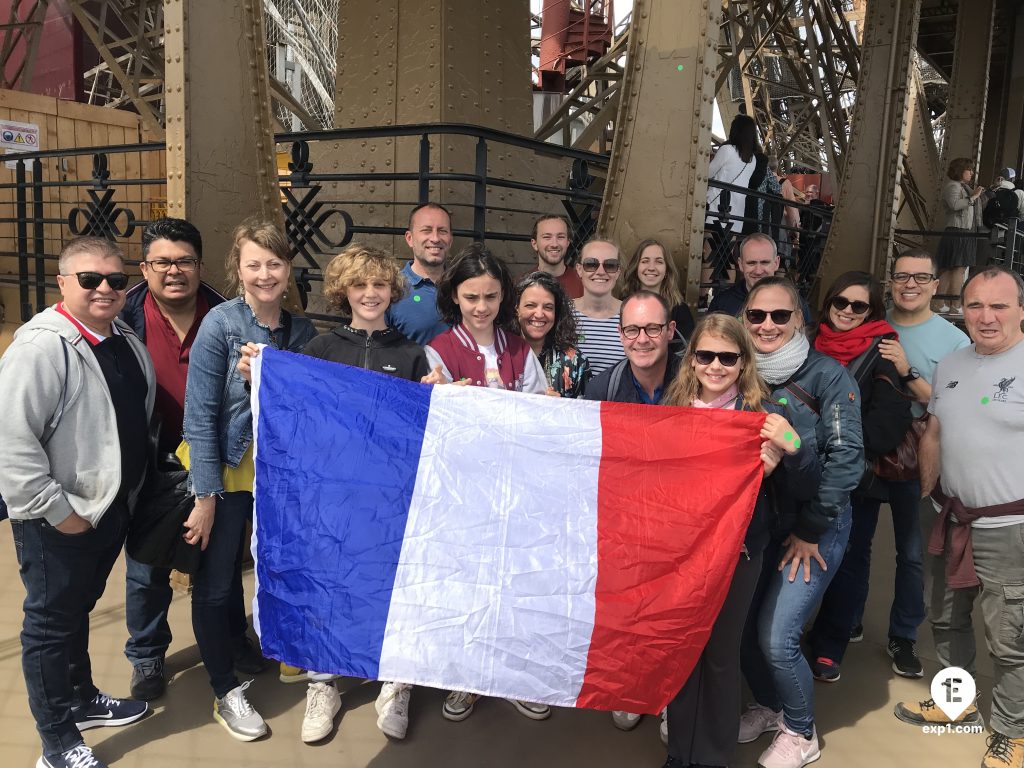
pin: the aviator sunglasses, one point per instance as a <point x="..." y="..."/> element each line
<point x="758" y="316"/>
<point x="118" y="281"/>
<point x="591" y="265"/>
<point x="839" y="303"/>
<point x="706" y="357"/>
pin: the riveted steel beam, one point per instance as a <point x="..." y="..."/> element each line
<point x="220" y="143"/>
<point x="861" y="236"/>
<point x="657" y="179"/>
<point x="922" y="179"/>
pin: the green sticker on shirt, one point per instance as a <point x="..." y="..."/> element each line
<point x="417" y="297"/>
<point x="984" y="401"/>
<point x="783" y="401"/>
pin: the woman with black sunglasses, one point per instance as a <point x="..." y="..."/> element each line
<point x="852" y="327"/>
<point x="810" y="537"/>
<point x="596" y="312"/>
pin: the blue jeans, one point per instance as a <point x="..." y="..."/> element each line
<point x="215" y="588"/>
<point x="771" y="659"/>
<point x="64" y="575"/>
<point x="842" y="608"/>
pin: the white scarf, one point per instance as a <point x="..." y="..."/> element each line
<point x="778" y="366"/>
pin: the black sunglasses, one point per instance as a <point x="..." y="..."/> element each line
<point x="707" y="357"/>
<point x="118" y="281"/>
<point x="779" y="316"/>
<point x="857" y="307"/>
<point x="610" y="267"/>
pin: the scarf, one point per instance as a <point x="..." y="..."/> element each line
<point x="778" y="366"/>
<point x="844" y="346"/>
<point x="726" y="398"/>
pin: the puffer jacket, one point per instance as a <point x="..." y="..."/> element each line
<point x="835" y="426"/>
<point x="386" y="351"/>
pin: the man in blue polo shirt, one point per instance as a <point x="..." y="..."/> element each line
<point x="430" y="237"/>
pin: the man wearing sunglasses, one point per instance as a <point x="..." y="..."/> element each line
<point x="646" y="332"/>
<point x="78" y="389"/>
<point x="165" y="312"/>
<point x="758" y="259"/>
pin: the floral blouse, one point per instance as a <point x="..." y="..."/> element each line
<point x="567" y="372"/>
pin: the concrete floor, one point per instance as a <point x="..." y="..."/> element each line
<point x="854" y="716"/>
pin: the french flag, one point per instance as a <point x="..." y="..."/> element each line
<point x="566" y="552"/>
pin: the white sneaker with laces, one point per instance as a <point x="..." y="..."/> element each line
<point x="790" y="750"/>
<point x="323" y="702"/>
<point x="392" y="707"/>
<point x="663" y="728"/>
<point x="625" y="721"/>
<point x="757" y="720"/>
<point x="236" y="714"/>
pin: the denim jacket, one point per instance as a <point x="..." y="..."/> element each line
<point x="218" y="419"/>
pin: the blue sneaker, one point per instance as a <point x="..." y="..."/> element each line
<point x="104" y="712"/>
<point x="76" y="757"/>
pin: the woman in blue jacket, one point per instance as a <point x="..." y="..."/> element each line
<point x="808" y="543"/>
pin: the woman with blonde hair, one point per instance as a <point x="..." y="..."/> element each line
<point x="719" y="371"/>
<point x="651" y="268"/>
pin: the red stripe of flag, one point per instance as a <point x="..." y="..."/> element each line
<point x="675" y="497"/>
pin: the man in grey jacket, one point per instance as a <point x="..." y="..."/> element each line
<point x="78" y="390"/>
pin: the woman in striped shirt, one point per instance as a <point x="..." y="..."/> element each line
<point x="597" y="312"/>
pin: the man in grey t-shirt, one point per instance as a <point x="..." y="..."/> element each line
<point x="976" y="438"/>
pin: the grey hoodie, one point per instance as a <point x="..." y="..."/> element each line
<point x="79" y="468"/>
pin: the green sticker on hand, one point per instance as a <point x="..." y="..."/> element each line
<point x="783" y="401"/>
<point x="788" y="436"/>
<point x="796" y="443"/>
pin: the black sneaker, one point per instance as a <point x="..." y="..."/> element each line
<point x="76" y="757"/>
<point x="904" y="657"/>
<point x="103" y="711"/>
<point x="148" y="681"/>
<point x="248" y="659"/>
<point x="674" y="762"/>
<point x="857" y="633"/>
<point x="825" y="670"/>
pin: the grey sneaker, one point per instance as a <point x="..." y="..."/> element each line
<point x="236" y="714"/>
<point x="531" y="709"/>
<point x="459" y="705"/>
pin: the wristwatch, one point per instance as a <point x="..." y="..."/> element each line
<point x="912" y="375"/>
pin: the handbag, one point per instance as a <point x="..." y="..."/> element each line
<point x="155" y="533"/>
<point x="900" y="464"/>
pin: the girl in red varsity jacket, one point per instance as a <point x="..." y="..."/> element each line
<point x="476" y="296"/>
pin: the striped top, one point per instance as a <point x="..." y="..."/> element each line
<point x="599" y="341"/>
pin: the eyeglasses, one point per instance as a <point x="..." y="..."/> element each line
<point x="164" y="265"/>
<point x="592" y="265"/>
<point x="653" y="330"/>
<point x="118" y="281"/>
<point x="707" y="357"/>
<point x="758" y="316"/>
<point x="921" y="278"/>
<point x="857" y="307"/>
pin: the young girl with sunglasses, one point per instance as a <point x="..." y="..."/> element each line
<point x="597" y="311"/>
<point x="719" y="371"/>
<point x="853" y="323"/>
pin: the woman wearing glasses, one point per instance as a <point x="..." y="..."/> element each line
<point x="651" y="268"/>
<point x="218" y="434"/>
<point x="853" y="327"/>
<point x="810" y="538"/>
<point x="718" y="371"/>
<point x="597" y="311"/>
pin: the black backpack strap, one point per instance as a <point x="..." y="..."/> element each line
<point x="804" y="396"/>
<point x="864" y="362"/>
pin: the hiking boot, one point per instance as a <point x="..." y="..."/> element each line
<point x="236" y="714"/>
<point x="531" y="709"/>
<point x="289" y="674"/>
<point x="105" y="712"/>
<point x="458" y="706"/>
<point x="76" y="757"/>
<point x="625" y="721"/>
<point x="857" y="633"/>
<point x="904" y="657"/>
<point x="148" y="681"/>
<point x="1003" y="752"/>
<point x="757" y="720"/>
<point x="825" y="670"/>
<point x="663" y="727"/>
<point x="926" y="713"/>
<point x="247" y="658"/>
<point x="323" y="702"/>
<point x="392" y="707"/>
<point x="790" y="750"/>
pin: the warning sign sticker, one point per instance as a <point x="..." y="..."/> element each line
<point x="18" y="137"/>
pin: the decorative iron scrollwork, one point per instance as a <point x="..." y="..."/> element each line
<point x="304" y="218"/>
<point x="99" y="217"/>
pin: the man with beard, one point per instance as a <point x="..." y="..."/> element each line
<point x="550" y="243"/>
<point x="430" y="237"/>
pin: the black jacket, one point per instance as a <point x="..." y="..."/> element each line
<point x="625" y="391"/>
<point x="731" y="300"/>
<point x="885" y="410"/>
<point x="386" y="351"/>
<point x="135" y="316"/>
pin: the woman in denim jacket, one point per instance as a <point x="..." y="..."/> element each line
<point x="218" y="431"/>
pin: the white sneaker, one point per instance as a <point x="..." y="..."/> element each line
<point x="663" y="728"/>
<point x="323" y="702"/>
<point x="625" y="721"/>
<point x="236" y="714"/>
<point x="790" y="750"/>
<point x="757" y="720"/>
<point x="392" y="707"/>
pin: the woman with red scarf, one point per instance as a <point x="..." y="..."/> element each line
<point x="853" y="323"/>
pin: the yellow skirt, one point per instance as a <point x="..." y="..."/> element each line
<point x="240" y="478"/>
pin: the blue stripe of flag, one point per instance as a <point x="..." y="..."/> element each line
<point x="345" y="498"/>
